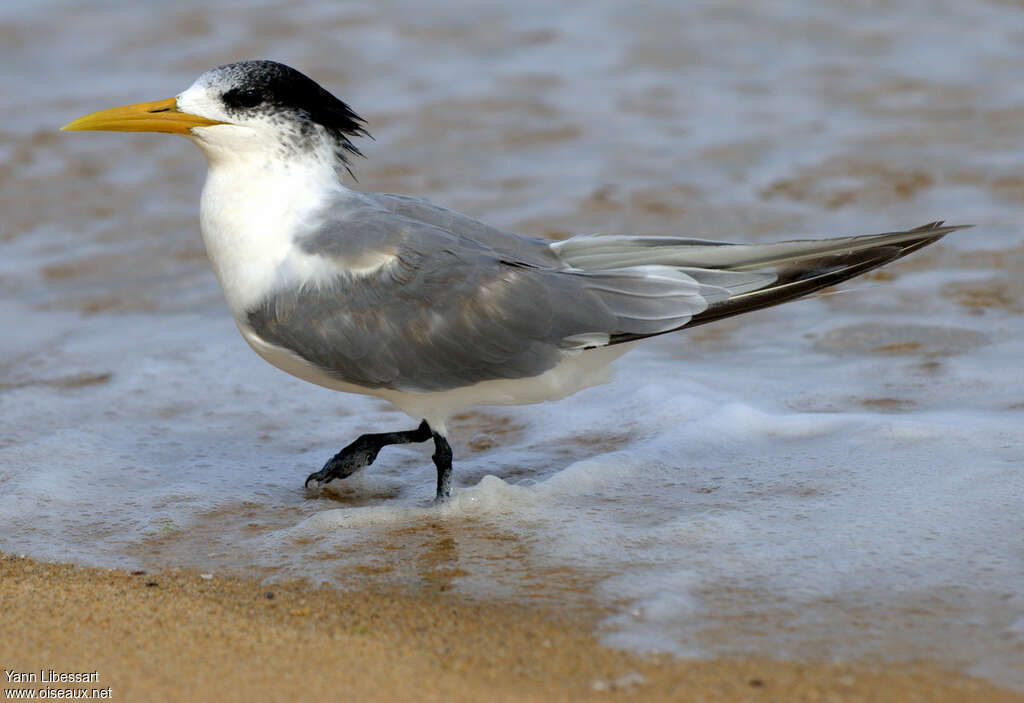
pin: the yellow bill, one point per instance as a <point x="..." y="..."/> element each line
<point x="159" y="116"/>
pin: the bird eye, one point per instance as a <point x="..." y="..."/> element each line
<point x="243" y="98"/>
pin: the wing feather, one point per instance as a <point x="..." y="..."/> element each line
<point x="420" y="298"/>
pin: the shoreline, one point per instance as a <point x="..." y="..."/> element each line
<point x="182" y="635"/>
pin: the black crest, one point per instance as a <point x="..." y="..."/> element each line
<point x="268" y="86"/>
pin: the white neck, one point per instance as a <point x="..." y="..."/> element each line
<point x="252" y="205"/>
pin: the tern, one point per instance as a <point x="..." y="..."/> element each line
<point x="432" y="310"/>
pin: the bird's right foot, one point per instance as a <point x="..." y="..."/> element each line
<point x="363" y="451"/>
<point x="355" y="456"/>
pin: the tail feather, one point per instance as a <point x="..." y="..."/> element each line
<point x="601" y="252"/>
<point x="799" y="281"/>
<point x="784" y="271"/>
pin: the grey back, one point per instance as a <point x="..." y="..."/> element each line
<point x="450" y="310"/>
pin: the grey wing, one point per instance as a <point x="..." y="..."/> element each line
<point x="508" y="244"/>
<point x="446" y="311"/>
<point x="755" y="276"/>
<point x="427" y="299"/>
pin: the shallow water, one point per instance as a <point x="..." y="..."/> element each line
<point x="839" y="477"/>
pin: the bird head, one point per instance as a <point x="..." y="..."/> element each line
<point x="250" y="109"/>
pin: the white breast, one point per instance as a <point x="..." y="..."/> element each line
<point x="250" y="211"/>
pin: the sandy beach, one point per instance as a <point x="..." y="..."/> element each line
<point x="179" y="636"/>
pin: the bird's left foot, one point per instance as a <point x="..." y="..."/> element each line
<point x="443" y="461"/>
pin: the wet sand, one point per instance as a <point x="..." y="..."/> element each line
<point x="179" y="636"/>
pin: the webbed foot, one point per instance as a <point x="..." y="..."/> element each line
<point x="364" y="450"/>
<point x="355" y="456"/>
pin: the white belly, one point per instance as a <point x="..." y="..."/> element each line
<point x="577" y="370"/>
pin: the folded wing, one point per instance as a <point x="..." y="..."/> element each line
<point x="419" y="298"/>
<point x="437" y="311"/>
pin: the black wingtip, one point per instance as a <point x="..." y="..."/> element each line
<point x="810" y="275"/>
<point x="939" y="225"/>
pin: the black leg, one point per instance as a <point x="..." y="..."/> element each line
<point x="364" y="450"/>
<point x="443" y="461"/>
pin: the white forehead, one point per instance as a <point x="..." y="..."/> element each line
<point x="203" y="97"/>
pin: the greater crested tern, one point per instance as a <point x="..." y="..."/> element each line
<point x="436" y="312"/>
